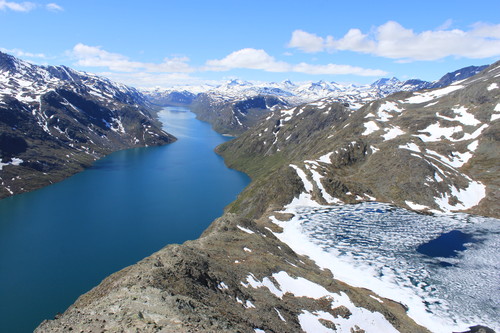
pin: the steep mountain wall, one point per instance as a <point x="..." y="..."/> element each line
<point x="55" y="121"/>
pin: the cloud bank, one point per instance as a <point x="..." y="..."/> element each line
<point x="248" y="58"/>
<point x="95" y="56"/>
<point x="259" y="59"/>
<point x="392" y="40"/>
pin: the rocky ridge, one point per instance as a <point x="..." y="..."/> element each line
<point x="433" y="150"/>
<point x="238" y="277"/>
<point x="55" y="121"/>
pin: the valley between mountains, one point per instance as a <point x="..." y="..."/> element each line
<point x="430" y="147"/>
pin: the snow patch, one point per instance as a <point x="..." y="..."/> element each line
<point x="392" y="133"/>
<point x="430" y="95"/>
<point x="462" y="116"/>
<point x="326" y="158"/>
<point x="435" y="132"/>
<point x="467" y="198"/>
<point x="15" y="161"/>
<point x="370" y="127"/>
<point x="492" y="86"/>
<point x="307" y="184"/>
<point x="416" y="206"/>
<point x="248" y="231"/>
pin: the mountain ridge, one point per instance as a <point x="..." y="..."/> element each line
<point x="217" y="104"/>
<point x="55" y="121"/>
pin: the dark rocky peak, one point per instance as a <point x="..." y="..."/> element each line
<point x="7" y="62"/>
<point x="458" y="75"/>
<point x="385" y="81"/>
<point x="274" y="91"/>
<point x="13" y="65"/>
<point x="65" y="73"/>
<point x="288" y="84"/>
<point x="237" y="82"/>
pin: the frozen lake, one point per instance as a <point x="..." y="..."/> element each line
<point x="374" y="245"/>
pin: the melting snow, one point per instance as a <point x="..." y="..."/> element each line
<point x="492" y="86"/>
<point x="392" y="133"/>
<point x="301" y="287"/>
<point x="15" y="161"/>
<point x="384" y="109"/>
<point x="222" y="286"/>
<point x="307" y="184"/>
<point x="436" y="132"/>
<point x="326" y="158"/>
<point x="415" y="206"/>
<point x="430" y="95"/>
<point x="249" y="305"/>
<point x="462" y="116"/>
<point x="248" y="231"/>
<point x="371" y="127"/>
<point x="317" y="179"/>
<point x="411" y="146"/>
<point x="467" y="198"/>
<point x="473" y="146"/>
<point x="457" y="160"/>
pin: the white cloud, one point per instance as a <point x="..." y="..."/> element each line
<point x="17" y="6"/>
<point x="259" y="59"/>
<point x="248" y="58"/>
<point x="21" y="53"/>
<point x="54" y="7"/>
<point x="27" y="6"/>
<point x="95" y="56"/>
<point x="306" y="42"/>
<point x="392" y="40"/>
<point x="446" y="25"/>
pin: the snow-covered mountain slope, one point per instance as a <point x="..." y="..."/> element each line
<point x="435" y="150"/>
<point x="54" y="121"/>
<point x="218" y="104"/>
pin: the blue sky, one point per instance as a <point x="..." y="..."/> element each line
<point x="163" y="43"/>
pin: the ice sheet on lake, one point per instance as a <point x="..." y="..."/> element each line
<point x="373" y="245"/>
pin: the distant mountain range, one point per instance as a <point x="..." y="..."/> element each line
<point x="222" y="105"/>
<point x="54" y="121"/>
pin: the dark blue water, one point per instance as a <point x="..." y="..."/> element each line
<point x="446" y="245"/>
<point x="59" y="242"/>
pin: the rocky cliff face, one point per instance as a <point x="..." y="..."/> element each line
<point x="55" y="121"/>
<point x="237" y="116"/>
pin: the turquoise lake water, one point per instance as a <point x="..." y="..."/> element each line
<point x="59" y="242"/>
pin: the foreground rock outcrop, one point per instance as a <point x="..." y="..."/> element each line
<point x="213" y="285"/>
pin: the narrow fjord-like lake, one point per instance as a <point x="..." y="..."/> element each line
<point x="59" y="242"/>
